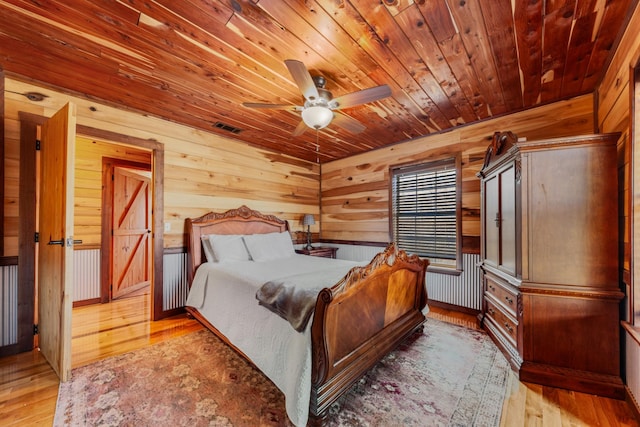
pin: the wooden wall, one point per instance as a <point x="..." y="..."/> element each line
<point x="202" y="171"/>
<point x="613" y="111"/>
<point x="355" y="191"/>
<point x="88" y="184"/>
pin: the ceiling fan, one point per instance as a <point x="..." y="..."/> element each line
<point x="320" y="107"/>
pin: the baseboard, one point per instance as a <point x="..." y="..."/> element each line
<point x="86" y="302"/>
<point x="633" y="403"/>
<point x="571" y="379"/>
<point x="451" y="307"/>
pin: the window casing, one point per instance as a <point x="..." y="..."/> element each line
<point x="426" y="211"/>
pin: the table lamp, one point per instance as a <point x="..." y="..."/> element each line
<point x="308" y="221"/>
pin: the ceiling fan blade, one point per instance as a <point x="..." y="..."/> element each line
<point x="303" y="79"/>
<point x="299" y="130"/>
<point x="361" y="97"/>
<point x="272" y="106"/>
<point x="347" y="123"/>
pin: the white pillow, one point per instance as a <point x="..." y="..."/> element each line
<point x="228" y="247"/>
<point x="208" y="250"/>
<point x="269" y="246"/>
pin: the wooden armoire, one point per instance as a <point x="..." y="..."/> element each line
<point x="550" y="259"/>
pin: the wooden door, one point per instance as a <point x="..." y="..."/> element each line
<point x="508" y="242"/>
<point x="131" y="250"/>
<point x="55" y="251"/>
<point x="491" y="220"/>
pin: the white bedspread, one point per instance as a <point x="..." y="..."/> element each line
<point x="224" y="293"/>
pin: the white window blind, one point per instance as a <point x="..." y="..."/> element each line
<point x="424" y="209"/>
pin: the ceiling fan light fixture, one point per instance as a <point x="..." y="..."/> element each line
<point x="317" y="116"/>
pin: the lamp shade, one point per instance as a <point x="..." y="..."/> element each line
<point x="308" y="220"/>
<point x="317" y="117"/>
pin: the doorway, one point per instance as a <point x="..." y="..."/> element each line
<point x="156" y="166"/>
<point x="29" y="125"/>
<point x="99" y="190"/>
<point x="126" y="228"/>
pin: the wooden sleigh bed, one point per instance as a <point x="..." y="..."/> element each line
<point x="356" y="322"/>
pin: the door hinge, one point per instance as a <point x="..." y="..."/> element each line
<point x="35" y="329"/>
<point x="37" y="237"/>
<point x="37" y="145"/>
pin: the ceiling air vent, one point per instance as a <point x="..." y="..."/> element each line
<point x="226" y="127"/>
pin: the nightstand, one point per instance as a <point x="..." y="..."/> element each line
<point x="322" y="251"/>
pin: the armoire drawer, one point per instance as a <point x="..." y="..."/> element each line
<point x="501" y="292"/>
<point x="504" y="322"/>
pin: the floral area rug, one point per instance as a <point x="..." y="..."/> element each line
<point x="446" y="376"/>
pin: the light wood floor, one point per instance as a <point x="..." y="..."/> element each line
<point x="29" y="387"/>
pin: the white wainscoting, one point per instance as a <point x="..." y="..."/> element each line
<point x="87" y="277"/>
<point x="86" y="274"/>
<point x="632" y="362"/>
<point x="8" y="305"/>
<point x="356" y="252"/>
<point x="175" y="283"/>
<point x="464" y="290"/>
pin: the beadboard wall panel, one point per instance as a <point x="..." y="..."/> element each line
<point x="8" y="305"/>
<point x="355" y="190"/>
<point x="86" y="274"/>
<point x="86" y="282"/>
<point x="176" y="283"/>
<point x="463" y="290"/>
<point x="632" y="353"/>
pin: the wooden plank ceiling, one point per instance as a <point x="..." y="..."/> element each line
<point x="447" y="62"/>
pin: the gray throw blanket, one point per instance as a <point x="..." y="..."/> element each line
<point x="294" y="297"/>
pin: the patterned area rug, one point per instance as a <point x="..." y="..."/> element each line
<point x="447" y="376"/>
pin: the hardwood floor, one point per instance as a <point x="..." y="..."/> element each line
<point x="29" y="387"/>
<point x="529" y="404"/>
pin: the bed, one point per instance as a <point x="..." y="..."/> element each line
<point x="362" y="313"/>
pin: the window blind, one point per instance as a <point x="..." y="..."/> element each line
<point x="424" y="209"/>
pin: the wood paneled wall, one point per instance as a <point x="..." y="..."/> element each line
<point x="202" y="171"/>
<point x="613" y="110"/>
<point x="205" y="172"/>
<point x="88" y="184"/>
<point x="355" y="190"/>
<point x="614" y="100"/>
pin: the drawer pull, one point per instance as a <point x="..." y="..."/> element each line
<point x="508" y="327"/>
<point x="491" y="311"/>
<point x="509" y="300"/>
<point x="492" y="288"/>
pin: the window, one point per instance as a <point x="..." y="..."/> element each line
<point x="425" y="211"/>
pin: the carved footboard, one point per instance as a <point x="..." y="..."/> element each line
<point x="361" y="319"/>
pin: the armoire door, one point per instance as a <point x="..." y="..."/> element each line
<point x="500" y="219"/>
<point x="508" y="251"/>
<point x="492" y="220"/>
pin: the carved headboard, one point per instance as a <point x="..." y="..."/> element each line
<point x="235" y="221"/>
